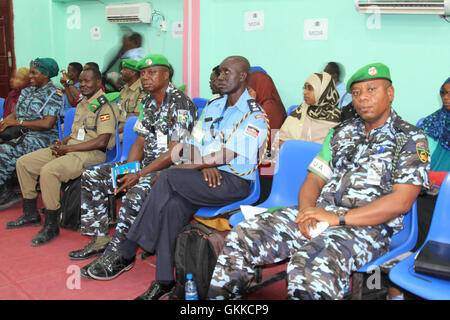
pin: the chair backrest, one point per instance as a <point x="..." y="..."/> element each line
<point x="2" y="105"/>
<point x="440" y="223"/>
<point x="419" y="122"/>
<point x="129" y="137"/>
<point x="200" y="103"/>
<point x="68" y="121"/>
<point x="257" y="68"/>
<point x="114" y="155"/>
<point x="291" y="108"/>
<point x="293" y="160"/>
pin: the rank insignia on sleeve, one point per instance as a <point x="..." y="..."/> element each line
<point x="105" y="117"/>
<point x="422" y="151"/>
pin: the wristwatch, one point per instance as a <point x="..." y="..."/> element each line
<point x="69" y="82"/>
<point x="341" y="213"/>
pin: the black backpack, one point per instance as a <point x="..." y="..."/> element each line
<point x="196" y="251"/>
<point x="71" y="204"/>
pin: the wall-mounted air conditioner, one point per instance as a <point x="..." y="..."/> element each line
<point x="439" y="7"/>
<point x="129" y="13"/>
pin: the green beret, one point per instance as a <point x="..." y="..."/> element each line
<point x="47" y="66"/>
<point x="130" y="64"/>
<point x="370" y="72"/>
<point x="153" y="60"/>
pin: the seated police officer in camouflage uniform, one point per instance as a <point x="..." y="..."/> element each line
<point x="131" y="94"/>
<point x="36" y="112"/>
<point x="93" y="132"/>
<point x="226" y="141"/>
<point x="368" y="174"/>
<point x="168" y="117"/>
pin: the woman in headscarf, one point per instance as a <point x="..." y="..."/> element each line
<point x="437" y="128"/>
<point x="262" y="88"/>
<point x="19" y="81"/>
<point x="317" y="114"/>
<point x="31" y="126"/>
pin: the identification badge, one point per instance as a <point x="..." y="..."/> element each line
<point x="374" y="173"/>
<point x="161" y="140"/>
<point x="81" y="134"/>
<point x="198" y="134"/>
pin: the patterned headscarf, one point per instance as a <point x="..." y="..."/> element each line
<point x="437" y="125"/>
<point x="326" y="96"/>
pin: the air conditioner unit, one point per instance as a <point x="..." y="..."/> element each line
<point x="129" y="13"/>
<point x="439" y="7"/>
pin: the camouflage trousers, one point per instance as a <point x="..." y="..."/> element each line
<point x="9" y="154"/>
<point x="317" y="269"/>
<point x="96" y="186"/>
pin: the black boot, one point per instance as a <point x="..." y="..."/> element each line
<point x="31" y="216"/>
<point x="8" y="197"/>
<point x="50" y="230"/>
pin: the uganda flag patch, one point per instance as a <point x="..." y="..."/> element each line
<point x="104" y="117"/>
<point x="59" y="93"/>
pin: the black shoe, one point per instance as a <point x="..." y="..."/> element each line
<point x="110" y="266"/>
<point x="83" y="271"/>
<point x="156" y="291"/>
<point x="87" y="252"/>
<point x="9" y="199"/>
<point x="50" y="230"/>
<point x="30" y="217"/>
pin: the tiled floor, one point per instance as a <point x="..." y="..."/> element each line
<point x="46" y="273"/>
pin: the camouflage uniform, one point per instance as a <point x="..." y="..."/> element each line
<point x="96" y="182"/>
<point x="320" y="268"/>
<point x="33" y="104"/>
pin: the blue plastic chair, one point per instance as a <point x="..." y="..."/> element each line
<point x="129" y="137"/>
<point x="291" y="108"/>
<point x="68" y="121"/>
<point x="200" y="103"/>
<point x="419" y="122"/>
<point x="2" y="105"/>
<point x="401" y="242"/>
<point x="294" y="158"/>
<point x="255" y="189"/>
<point x="403" y="273"/>
<point x="257" y="68"/>
<point x="114" y="154"/>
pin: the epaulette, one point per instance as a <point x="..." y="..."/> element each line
<point x="253" y="105"/>
<point x="103" y="99"/>
<point x="404" y="126"/>
<point x="216" y="98"/>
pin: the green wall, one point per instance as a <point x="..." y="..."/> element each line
<point x="41" y="30"/>
<point x="415" y="47"/>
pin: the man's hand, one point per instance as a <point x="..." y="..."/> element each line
<point x="308" y="217"/>
<point x="127" y="182"/>
<point x="212" y="176"/>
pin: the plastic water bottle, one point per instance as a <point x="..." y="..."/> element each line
<point x="190" y="288"/>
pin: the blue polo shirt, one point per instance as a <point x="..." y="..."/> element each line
<point x="218" y="128"/>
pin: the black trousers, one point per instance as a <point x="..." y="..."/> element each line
<point x="174" y="199"/>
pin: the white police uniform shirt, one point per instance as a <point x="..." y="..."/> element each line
<point x="219" y="127"/>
